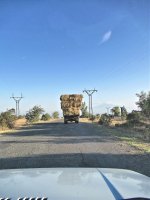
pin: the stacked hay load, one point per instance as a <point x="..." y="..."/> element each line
<point x="71" y="105"/>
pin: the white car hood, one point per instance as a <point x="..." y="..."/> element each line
<point x="73" y="184"/>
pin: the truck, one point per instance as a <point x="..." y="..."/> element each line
<point x="71" y="106"/>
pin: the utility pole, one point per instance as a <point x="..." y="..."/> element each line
<point x="89" y="93"/>
<point x="17" y="100"/>
<point x="107" y="110"/>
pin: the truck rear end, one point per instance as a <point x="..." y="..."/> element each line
<point x="71" y="105"/>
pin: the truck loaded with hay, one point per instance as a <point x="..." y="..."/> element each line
<point x="71" y="106"/>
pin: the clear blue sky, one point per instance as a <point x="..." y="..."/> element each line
<point x="52" y="47"/>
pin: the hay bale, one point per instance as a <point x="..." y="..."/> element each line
<point x="71" y="104"/>
<point x="68" y="104"/>
<point x="76" y="104"/>
<point x="71" y="112"/>
<point x="64" y="97"/>
<point x="74" y="97"/>
<point x="65" y="104"/>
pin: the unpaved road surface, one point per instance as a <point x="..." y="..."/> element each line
<point x="69" y="145"/>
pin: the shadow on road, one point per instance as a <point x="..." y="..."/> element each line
<point x="69" y="134"/>
<point x="123" y="161"/>
<point x="64" y="140"/>
<point x="54" y="129"/>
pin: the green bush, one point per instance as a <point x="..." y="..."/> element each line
<point x="92" y="117"/>
<point x="123" y="113"/>
<point x="84" y="111"/>
<point x="55" y="115"/>
<point x="104" y="119"/>
<point x="144" y="103"/>
<point x="97" y="116"/>
<point x="45" y="117"/>
<point x="33" y="115"/>
<point x="134" y="116"/>
<point x="116" y="111"/>
<point x="7" y="120"/>
<point x="20" y="116"/>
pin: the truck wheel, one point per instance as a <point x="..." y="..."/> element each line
<point x="76" y="121"/>
<point x="65" y="122"/>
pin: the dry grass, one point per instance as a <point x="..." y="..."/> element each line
<point x="135" y="138"/>
<point x="50" y="120"/>
<point x="20" y="122"/>
<point x="114" y="122"/>
<point x="85" y="120"/>
<point x="7" y="131"/>
<point x="135" y="142"/>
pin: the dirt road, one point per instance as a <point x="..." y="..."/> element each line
<point x="69" y="145"/>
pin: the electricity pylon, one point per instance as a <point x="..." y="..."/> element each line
<point x="89" y="93"/>
<point x="17" y="100"/>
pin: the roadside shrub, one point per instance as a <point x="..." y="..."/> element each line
<point x="45" y="117"/>
<point x="7" y="120"/>
<point x="33" y="115"/>
<point x="105" y="119"/>
<point x="116" y="111"/>
<point x="21" y="117"/>
<point x="134" y="115"/>
<point x="124" y="125"/>
<point x="55" y="115"/>
<point x="144" y="103"/>
<point x="133" y="118"/>
<point x="92" y="117"/>
<point x="84" y="111"/>
<point x="123" y="113"/>
<point x="147" y="135"/>
<point x="97" y="116"/>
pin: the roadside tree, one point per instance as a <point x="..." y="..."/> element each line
<point x="55" y="115"/>
<point x="116" y="111"/>
<point x="123" y="112"/>
<point x="45" y="117"/>
<point x="104" y="119"/>
<point x="97" y="116"/>
<point x="84" y="111"/>
<point x="12" y="111"/>
<point x="7" y="120"/>
<point x="33" y="114"/>
<point x="134" y="116"/>
<point x="144" y="103"/>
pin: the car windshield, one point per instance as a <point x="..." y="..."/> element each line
<point x="75" y="79"/>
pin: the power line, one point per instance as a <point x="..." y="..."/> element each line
<point x="17" y="100"/>
<point x="90" y="93"/>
